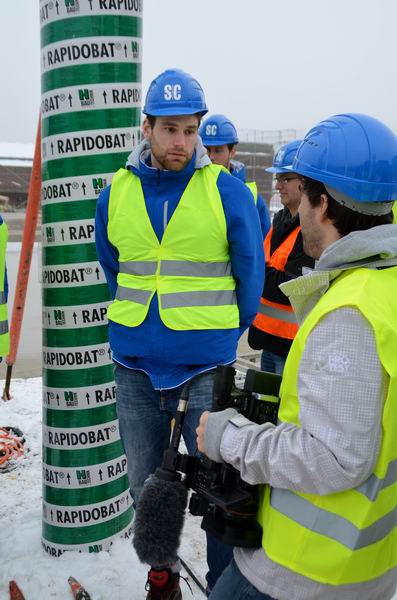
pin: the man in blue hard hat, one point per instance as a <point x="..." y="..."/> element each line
<point x="220" y="138"/>
<point x="181" y="246"/>
<point x="275" y="325"/>
<point x="327" y="469"/>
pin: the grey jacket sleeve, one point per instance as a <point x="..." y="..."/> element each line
<point x="342" y="387"/>
<point x="213" y="434"/>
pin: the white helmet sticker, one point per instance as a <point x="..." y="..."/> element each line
<point x="211" y="129"/>
<point x="172" y="92"/>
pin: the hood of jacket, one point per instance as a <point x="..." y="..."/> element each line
<point x="372" y="248"/>
<point x="237" y="169"/>
<point x="375" y="247"/>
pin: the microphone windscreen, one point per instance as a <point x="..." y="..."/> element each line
<point x="159" y="519"/>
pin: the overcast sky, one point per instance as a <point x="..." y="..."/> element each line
<point x="266" y="64"/>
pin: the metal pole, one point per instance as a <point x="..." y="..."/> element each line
<point x="25" y="259"/>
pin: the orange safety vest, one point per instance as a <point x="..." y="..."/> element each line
<point x="274" y="318"/>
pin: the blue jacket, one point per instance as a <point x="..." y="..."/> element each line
<point x="171" y="357"/>
<point x="237" y="169"/>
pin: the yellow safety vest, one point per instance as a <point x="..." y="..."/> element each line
<point x="395" y="212"/>
<point x="350" y="536"/>
<point x="190" y="269"/>
<point x="4" y="333"/>
<point x="251" y="185"/>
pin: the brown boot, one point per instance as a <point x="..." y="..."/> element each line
<point x="163" y="585"/>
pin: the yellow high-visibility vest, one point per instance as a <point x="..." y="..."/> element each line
<point x="4" y="333"/>
<point x="350" y="536"/>
<point x="251" y="185"/>
<point x="189" y="269"/>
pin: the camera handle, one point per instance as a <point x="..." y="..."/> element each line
<point x="223" y="385"/>
<point x="168" y="469"/>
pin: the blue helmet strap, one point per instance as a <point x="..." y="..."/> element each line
<point x="365" y="208"/>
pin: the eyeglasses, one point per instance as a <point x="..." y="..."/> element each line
<point x="285" y="180"/>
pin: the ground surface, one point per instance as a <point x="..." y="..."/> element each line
<point x="116" y="574"/>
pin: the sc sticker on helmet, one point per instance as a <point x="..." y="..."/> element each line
<point x="172" y="92"/>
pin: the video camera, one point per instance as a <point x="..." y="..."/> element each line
<point x="228" y="504"/>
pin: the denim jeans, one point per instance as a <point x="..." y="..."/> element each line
<point x="232" y="584"/>
<point x="219" y="557"/>
<point x="145" y="416"/>
<point x="272" y="363"/>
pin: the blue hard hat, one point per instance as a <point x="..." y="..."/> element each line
<point x="218" y="130"/>
<point x="352" y="153"/>
<point x="173" y="93"/>
<point x="284" y="157"/>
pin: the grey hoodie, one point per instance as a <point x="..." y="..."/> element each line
<point x="342" y="387"/>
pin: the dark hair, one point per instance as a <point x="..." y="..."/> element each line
<point x="344" y="219"/>
<point x="230" y="146"/>
<point x="152" y="119"/>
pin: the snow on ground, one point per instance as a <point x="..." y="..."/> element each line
<point x="115" y="575"/>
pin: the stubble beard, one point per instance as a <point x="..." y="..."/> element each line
<point x="311" y="245"/>
<point x="167" y="164"/>
<point x="171" y="165"/>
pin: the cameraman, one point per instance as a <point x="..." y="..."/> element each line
<point x="329" y="510"/>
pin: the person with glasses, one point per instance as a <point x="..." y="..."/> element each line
<point x="220" y="139"/>
<point x="275" y="325"/>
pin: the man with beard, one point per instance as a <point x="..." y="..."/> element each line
<point x="180" y="243"/>
<point x="327" y="470"/>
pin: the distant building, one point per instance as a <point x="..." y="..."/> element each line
<point x="256" y="158"/>
<point x="256" y="150"/>
<point x="15" y="167"/>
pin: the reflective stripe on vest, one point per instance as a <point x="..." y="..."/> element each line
<point x="178" y="299"/>
<point x="274" y="318"/>
<point x="4" y="333"/>
<point x="138" y="267"/>
<point x="273" y="310"/>
<point x="333" y="526"/>
<point x="177" y="267"/>
<point x="251" y="185"/>
<point x="138" y="296"/>
<point x="190" y="269"/>
<point x="349" y="536"/>
<point x="328" y="524"/>
<point x="374" y="485"/>
<point x="195" y="269"/>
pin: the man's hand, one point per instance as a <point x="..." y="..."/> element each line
<point x="201" y="431"/>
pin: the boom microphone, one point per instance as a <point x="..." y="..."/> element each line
<point x="160" y="512"/>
